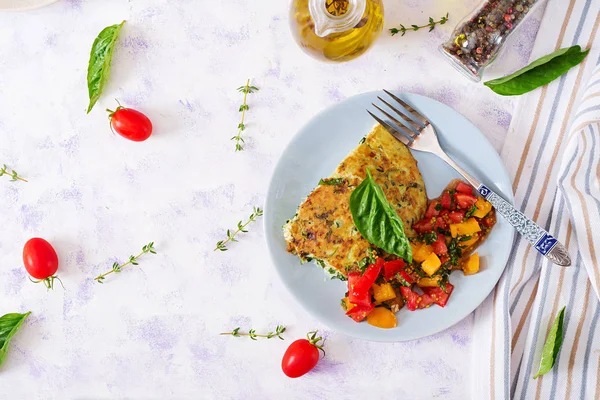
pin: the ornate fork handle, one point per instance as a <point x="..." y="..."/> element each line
<point x="541" y="240"/>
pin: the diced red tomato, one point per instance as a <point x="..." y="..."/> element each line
<point x="359" y="313"/>
<point x="439" y="246"/>
<point x="464" y="201"/>
<point x="456" y="216"/>
<point x="444" y="258"/>
<point x="391" y="268"/>
<point x="446" y="200"/>
<point x="363" y="299"/>
<point x="464" y="188"/>
<point x="368" y="279"/>
<point x="438" y="295"/>
<point x="423" y="226"/>
<point x="489" y="220"/>
<point x="410" y="298"/>
<point x="431" y="210"/>
<point x="406" y="277"/>
<point x="413" y="300"/>
<point x="440" y="222"/>
<point x="424" y="301"/>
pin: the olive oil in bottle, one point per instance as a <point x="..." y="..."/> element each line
<point x="336" y="30"/>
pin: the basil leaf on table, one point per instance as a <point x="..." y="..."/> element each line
<point x="539" y="73"/>
<point x="9" y="325"/>
<point x="377" y="220"/>
<point x="553" y="344"/>
<point x="100" y="59"/>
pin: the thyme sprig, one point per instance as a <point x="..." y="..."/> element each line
<point x="116" y="267"/>
<point x="253" y="335"/>
<point x="243" y="108"/>
<point x="402" y="29"/>
<point x="221" y="244"/>
<point x="12" y="173"/>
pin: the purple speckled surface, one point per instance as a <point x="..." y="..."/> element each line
<point x="152" y="331"/>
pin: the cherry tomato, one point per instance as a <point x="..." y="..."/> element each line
<point x="41" y="261"/>
<point x="302" y="355"/>
<point x="130" y="124"/>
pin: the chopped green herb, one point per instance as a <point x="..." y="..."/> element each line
<point x="438" y="207"/>
<point x="379" y="169"/>
<point x="471" y="211"/>
<point x="429" y="238"/>
<point x="343" y="303"/>
<point x="332" y="182"/>
<point x="362" y="140"/>
<point x="452" y="191"/>
<point x="402" y="281"/>
<point x="464" y="238"/>
<point x="442" y="231"/>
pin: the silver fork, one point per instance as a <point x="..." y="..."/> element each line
<point x="415" y="131"/>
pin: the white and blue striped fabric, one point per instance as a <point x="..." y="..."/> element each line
<point x="552" y="152"/>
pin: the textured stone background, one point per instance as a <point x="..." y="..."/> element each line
<point x="152" y="332"/>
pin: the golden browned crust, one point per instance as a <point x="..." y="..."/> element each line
<point x="323" y="228"/>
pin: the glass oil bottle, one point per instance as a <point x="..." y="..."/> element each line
<point x="336" y="30"/>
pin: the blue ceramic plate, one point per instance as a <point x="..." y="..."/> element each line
<point x="315" y="152"/>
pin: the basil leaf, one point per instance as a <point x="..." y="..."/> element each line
<point x="539" y="73"/>
<point x="100" y="59"/>
<point x="376" y="219"/>
<point x="553" y="344"/>
<point x="9" y="325"/>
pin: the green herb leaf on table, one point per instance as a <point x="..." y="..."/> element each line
<point x="100" y="60"/>
<point x="253" y="335"/>
<point x="539" y="73"/>
<point x="241" y="227"/>
<point x="9" y="325"/>
<point x="246" y="89"/>
<point x="377" y="220"/>
<point x="133" y="260"/>
<point x="552" y="345"/>
<point x="14" y="176"/>
<point x="431" y="25"/>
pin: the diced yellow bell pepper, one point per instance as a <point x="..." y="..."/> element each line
<point x="483" y="208"/>
<point x="429" y="282"/>
<point x="468" y="227"/>
<point x="414" y="247"/>
<point x="472" y="241"/>
<point x="347" y="306"/>
<point x="472" y="265"/>
<point x="381" y="317"/>
<point x="423" y="251"/>
<point x="383" y="292"/>
<point x="431" y="264"/>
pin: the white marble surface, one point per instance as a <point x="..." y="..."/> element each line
<point x="152" y="332"/>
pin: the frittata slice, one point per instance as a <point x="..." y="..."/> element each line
<point x="323" y="229"/>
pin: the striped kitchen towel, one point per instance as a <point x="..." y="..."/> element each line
<point x="552" y="152"/>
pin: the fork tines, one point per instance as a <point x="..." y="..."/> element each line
<point x="406" y="122"/>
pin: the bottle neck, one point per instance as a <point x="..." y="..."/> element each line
<point x="335" y="20"/>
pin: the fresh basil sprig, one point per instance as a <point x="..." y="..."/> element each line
<point x="100" y="59"/>
<point x="377" y="220"/>
<point x="539" y="73"/>
<point x="553" y="344"/>
<point x="9" y="325"/>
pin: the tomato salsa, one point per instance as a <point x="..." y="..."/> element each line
<point x="454" y="225"/>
